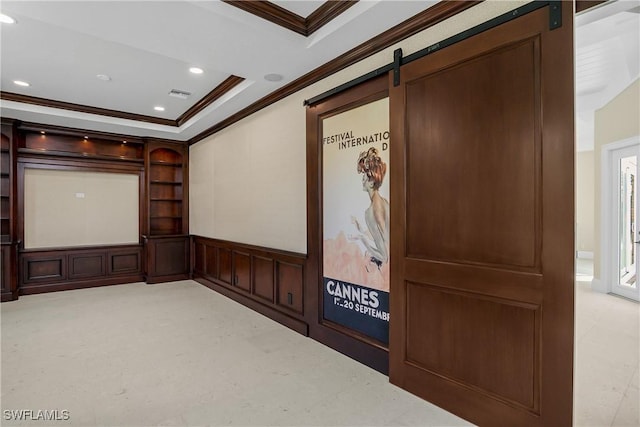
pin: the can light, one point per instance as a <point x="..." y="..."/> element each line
<point x="158" y="108"/>
<point x="21" y="83"/>
<point x="6" y="19"/>
<point x="196" y="70"/>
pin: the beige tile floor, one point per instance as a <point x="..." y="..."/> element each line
<point x="607" y="356"/>
<point x="179" y="354"/>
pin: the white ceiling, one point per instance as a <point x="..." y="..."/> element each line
<point x="607" y="60"/>
<point x="147" y="47"/>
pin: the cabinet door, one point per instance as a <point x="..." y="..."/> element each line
<point x="167" y="259"/>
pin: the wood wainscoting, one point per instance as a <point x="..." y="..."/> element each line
<point x="268" y="281"/>
<point x="59" y="269"/>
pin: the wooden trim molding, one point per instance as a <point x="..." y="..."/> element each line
<point x="51" y="103"/>
<point x="325" y="14"/>
<point x="292" y="21"/>
<point x="272" y="13"/>
<point x="582" y="5"/>
<point x="428" y="18"/>
<point x="224" y="87"/>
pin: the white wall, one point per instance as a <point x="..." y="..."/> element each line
<point x="55" y="217"/>
<point x="248" y="183"/>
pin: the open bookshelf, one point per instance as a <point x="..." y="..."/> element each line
<point x="5" y="189"/>
<point x="166" y="192"/>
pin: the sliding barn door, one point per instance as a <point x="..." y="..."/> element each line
<point x="482" y="225"/>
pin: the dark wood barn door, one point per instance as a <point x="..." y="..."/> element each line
<point x="482" y="225"/>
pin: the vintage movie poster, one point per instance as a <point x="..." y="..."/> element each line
<point x="355" y="170"/>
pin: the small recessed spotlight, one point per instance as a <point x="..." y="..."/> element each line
<point x="124" y="142"/>
<point x="273" y="77"/>
<point x="196" y="70"/>
<point x="86" y="137"/>
<point x="158" y="108"/>
<point x="42" y="132"/>
<point x="103" y="77"/>
<point x="6" y="19"/>
<point x="21" y="83"/>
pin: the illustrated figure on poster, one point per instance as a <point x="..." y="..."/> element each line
<point x="375" y="237"/>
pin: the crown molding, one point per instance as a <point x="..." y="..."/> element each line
<point x="326" y="13"/>
<point x="224" y="87"/>
<point x="51" y="103"/>
<point x="425" y="19"/>
<point x="582" y="5"/>
<point x="291" y="21"/>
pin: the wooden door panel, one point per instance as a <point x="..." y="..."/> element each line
<point x="452" y="333"/>
<point x="472" y="132"/>
<point x="482" y="224"/>
<point x="491" y="281"/>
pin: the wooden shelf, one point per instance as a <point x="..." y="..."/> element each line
<point x="165" y="233"/>
<point x="166" y="182"/>
<point x="166" y="208"/>
<point x="161" y="163"/>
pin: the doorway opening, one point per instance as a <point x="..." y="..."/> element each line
<point x="620" y="233"/>
<point x="607" y="331"/>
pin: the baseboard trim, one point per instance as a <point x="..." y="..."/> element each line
<point x="9" y="296"/>
<point x="69" y="286"/>
<point x="585" y="254"/>
<point x="289" y="322"/>
<point x="164" y="279"/>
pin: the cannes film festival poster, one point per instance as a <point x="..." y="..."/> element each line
<point x="355" y="170"/>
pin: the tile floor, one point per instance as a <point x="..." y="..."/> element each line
<point x="607" y="356"/>
<point x="179" y="354"/>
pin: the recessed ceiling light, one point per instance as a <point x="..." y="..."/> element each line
<point x="273" y="77"/>
<point x="124" y="142"/>
<point x="42" y="132"/>
<point x="158" y="108"/>
<point x="21" y="83"/>
<point x="103" y="77"/>
<point x="196" y="70"/>
<point x="6" y="19"/>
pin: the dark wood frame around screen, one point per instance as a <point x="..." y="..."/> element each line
<point x="345" y="340"/>
<point x="37" y="162"/>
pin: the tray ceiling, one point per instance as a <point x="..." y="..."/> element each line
<point x="146" y="49"/>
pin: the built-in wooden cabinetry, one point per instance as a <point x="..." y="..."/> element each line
<point x="163" y="250"/>
<point x="167" y="236"/>
<point x="8" y="242"/>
